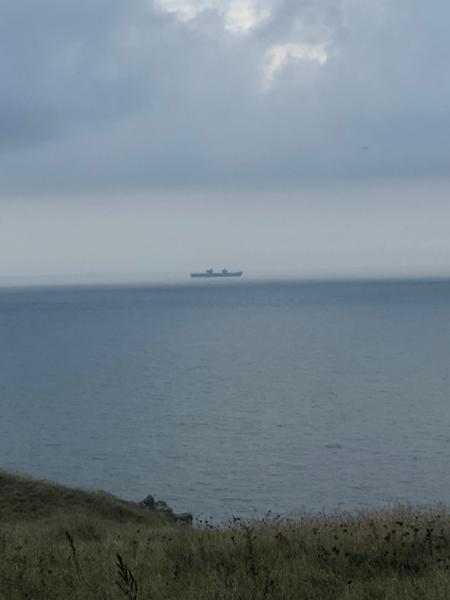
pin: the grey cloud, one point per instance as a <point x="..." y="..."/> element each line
<point x="102" y="94"/>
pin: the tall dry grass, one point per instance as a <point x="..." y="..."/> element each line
<point x="81" y="554"/>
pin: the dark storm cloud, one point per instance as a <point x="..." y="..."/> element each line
<point x="104" y="94"/>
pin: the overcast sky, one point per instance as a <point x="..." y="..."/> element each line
<point x="279" y="136"/>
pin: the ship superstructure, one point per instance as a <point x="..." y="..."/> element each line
<point x="222" y="273"/>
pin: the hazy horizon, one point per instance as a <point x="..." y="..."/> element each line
<point x="266" y="135"/>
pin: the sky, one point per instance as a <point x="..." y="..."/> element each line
<point x="153" y="137"/>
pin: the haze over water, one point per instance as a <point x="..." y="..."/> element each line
<point x="231" y="399"/>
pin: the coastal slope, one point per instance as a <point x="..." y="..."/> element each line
<point x="57" y="542"/>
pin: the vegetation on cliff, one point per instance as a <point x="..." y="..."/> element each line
<point x="61" y="543"/>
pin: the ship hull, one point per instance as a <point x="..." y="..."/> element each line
<point x="214" y="275"/>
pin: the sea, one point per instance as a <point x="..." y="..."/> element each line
<point x="232" y="399"/>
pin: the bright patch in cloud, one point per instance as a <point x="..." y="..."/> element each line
<point x="243" y="16"/>
<point x="239" y="16"/>
<point x="279" y="55"/>
<point x="184" y="10"/>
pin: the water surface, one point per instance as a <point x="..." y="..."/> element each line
<point x="232" y="399"/>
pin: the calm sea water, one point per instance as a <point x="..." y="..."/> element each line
<point x="232" y="399"/>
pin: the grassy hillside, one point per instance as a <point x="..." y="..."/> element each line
<point x="58" y="543"/>
<point x="26" y="499"/>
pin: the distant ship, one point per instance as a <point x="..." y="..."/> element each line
<point x="222" y="273"/>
